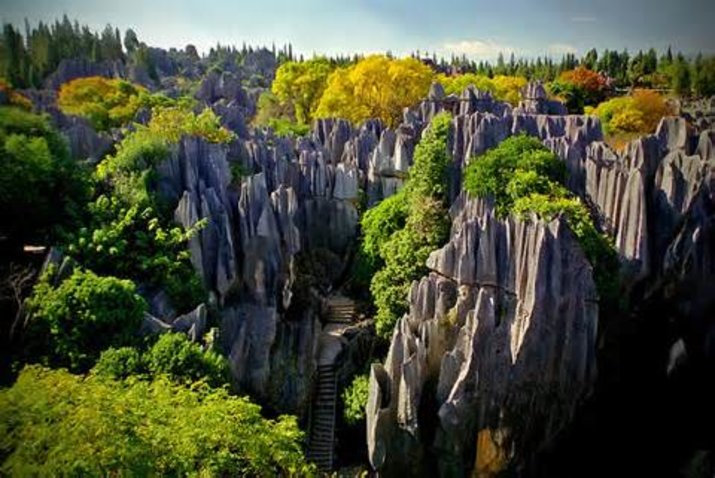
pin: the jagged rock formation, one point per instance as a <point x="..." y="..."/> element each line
<point x="536" y="101"/>
<point x="505" y="323"/>
<point x="445" y="390"/>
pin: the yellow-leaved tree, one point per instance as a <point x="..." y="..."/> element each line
<point x="502" y="87"/>
<point x="375" y="87"/>
<point x="301" y="85"/>
<point x="105" y="102"/>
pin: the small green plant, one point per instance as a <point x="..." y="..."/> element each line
<point x="355" y="400"/>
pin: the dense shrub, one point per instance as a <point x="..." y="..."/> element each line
<point x="105" y="102"/>
<point x="176" y="356"/>
<point x="53" y="423"/>
<point x="120" y="363"/>
<point x="355" y="400"/>
<point x="519" y="166"/>
<point x="401" y="231"/>
<point x="135" y="243"/>
<point x="71" y="324"/>
<point x="523" y="176"/>
<point x="42" y="190"/>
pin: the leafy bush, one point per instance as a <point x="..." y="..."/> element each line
<point x="85" y="314"/>
<point x="381" y="222"/>
<point x="284" y="127"/>
<point x="504" y="172"/>
<point x="105" y="102"/>
<point x="119" y="363"/>
<point x="355" y="400"/>
<point x="401" y="231"/>
<point x="176" y="356"/>
<point x="133" y="242"/>
<point x="42" y="190"/>
<point x="591" y="84"/>
<point x="523" y="176"/>
<point x="171" y="123"/>
<point x="54" y="423"/>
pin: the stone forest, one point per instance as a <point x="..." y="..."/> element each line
<point x="248" y="261"/>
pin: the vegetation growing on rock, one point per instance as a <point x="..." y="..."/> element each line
<point x="523" y="176"/>
<point x="399" y="233"/>
<point x="355" y="400"/>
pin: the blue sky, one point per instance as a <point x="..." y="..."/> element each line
<point x="477" y="28"/>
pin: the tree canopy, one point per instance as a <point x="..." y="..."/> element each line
<point x="53" y="423"/>
<point x="375" y="87"/>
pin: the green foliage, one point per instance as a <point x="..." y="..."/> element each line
<point x="53" y="423"/>
<point x="171" y="123"/>
<point x="130" y="232"/>
<point x="381" y="222"/>
<point x="176" y="356"/>
<point x="572" y="95"/>
<point x="72" y="323"/>
<point x="119" y="363"/>
<point x="42" y="190"/>
<point x="523" y="177"/>
<point x="300" y="85"/>
<point x="284" y="127"/>
<point x="172" y="355"/>
<point x="355" y="400"/>
<point x="401" y="231"/>
<point x="134" y="242"/>
<point x="503" y="172"/>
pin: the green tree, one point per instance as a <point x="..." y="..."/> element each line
<point x="301" y="85"/>
<point x="71" y="324"/>
<point x="681" y="80"/>
<point x="54" y="423"/>
<point x="42" y="190"/>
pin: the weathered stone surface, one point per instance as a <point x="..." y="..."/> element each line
<point x="506" y="321"/>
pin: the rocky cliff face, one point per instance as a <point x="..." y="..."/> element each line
<point x="497" y="348"/>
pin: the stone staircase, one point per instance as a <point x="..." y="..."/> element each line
<point x="322" y="426"/>
<point x="321" y="442"/>
<point x="341" y="310"/>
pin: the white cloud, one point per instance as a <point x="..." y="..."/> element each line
<point x="584" y="19"/>
<point x="562" y="49"/>
<point x="478" y="48"/>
